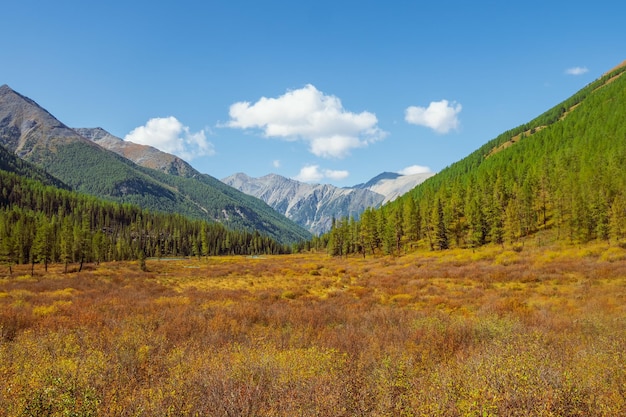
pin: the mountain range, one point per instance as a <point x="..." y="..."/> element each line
<point x="314" y="206"/>
<point x="159" y="183"/>
<point x="93" y="161"/>
<point x="561" y="173"/>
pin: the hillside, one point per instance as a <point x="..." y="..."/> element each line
<point x="35" y="135"/>
<point x="314" y="206"/>
<point x="43" y="224"/>
<point x="9" y="162"/>
<point x="561" y="173"/>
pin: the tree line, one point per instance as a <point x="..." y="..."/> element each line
<point x="562" y="172"/>
<point x="41" y="224"/>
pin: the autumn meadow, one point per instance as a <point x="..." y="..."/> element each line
<point x="497" y="331"/>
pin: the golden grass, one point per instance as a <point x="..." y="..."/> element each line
<point x="541" y="331"/>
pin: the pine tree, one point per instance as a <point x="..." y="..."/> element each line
<point x="477" y="223"/>
<point x="411" y="221"/>
<point x="617" y="219"/>
<point x="442" y="232"/>
<point x="66" y="242"/>
<point x="7" y="247"/>
<point x="43" y="242"/>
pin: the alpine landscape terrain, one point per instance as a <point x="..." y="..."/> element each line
<point x="167" y="184"/>
<point x="132" y="284"/>
<point x="314" y="206"/>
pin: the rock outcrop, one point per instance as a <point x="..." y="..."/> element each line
<point x="313" y="206"/>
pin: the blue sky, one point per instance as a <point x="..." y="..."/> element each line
<point x="326" y="91"/>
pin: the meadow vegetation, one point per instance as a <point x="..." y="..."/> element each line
<point x="488" y="332"/>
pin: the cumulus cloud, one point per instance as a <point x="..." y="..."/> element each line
<point x="313" y="173"/>
<point x="336" y="174"/>
<point x="309" y="115"/>
<point x="441" y="116"/>
<point x="169" y="135"/>
<point x="414" y="169"/>
<point x="576" y="70"/>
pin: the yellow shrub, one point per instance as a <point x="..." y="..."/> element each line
<point x="507" y="258"/>
<point x="613" y="254"/>
<point x="44" y="310"/>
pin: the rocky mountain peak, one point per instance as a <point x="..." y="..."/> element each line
<point x="27" y="129"/>
<point x="315" y="205"/>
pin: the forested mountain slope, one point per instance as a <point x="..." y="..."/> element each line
<point x="36" y="136"/>
<point x="563" y="171"/>
<point x="11" y="163"/>
<point x="43" y="224"/>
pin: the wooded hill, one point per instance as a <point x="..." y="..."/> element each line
<point x="36" y="136"/>
<point x="42" y="223"/>
<point x="562" y="172"/>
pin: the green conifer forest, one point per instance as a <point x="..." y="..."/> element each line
<point x="42" y="224"/>
<point x="562" y="172"/>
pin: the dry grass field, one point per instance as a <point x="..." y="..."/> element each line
<point x="494" y="332"/>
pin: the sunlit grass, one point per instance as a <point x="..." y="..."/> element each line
<point x="534" y="330"/>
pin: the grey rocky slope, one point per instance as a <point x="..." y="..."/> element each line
<point x="393" y="185"/>
<point x="313" y="206"/>
<point x="143" y="155"/>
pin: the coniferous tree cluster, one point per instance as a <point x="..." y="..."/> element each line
<point x="563" y="171"/>
<point x="44" y="224"/>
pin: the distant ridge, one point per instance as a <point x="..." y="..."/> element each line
<point x="392" y="185"/>
<point x="377" y="178"/>
<point x="314" y="206"/>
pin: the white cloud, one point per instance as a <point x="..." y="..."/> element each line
<point x="169" y="135"/>
<point x="441" y="116"/>
<point x="313" y="173"/>
<point x="576" y="71"/>
<point x="309" y="173"/>
<point x="414" y="169"/>
<point x="276" y="163"/>
<point x="336" y="174"/>
<point x="311" y="116"/>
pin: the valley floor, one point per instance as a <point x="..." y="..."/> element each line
<point x="495" y="332"/>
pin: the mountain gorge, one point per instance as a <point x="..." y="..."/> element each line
<point x="314" y="206"/>
<point x="33" y="134"/>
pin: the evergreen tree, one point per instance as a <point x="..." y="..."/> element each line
<point x="66" y="243"/>
<point x="617" y="219"/>
<point x="411" y="221"/>
<point x="43" y="242"/>
<point x="442" y="231"/>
